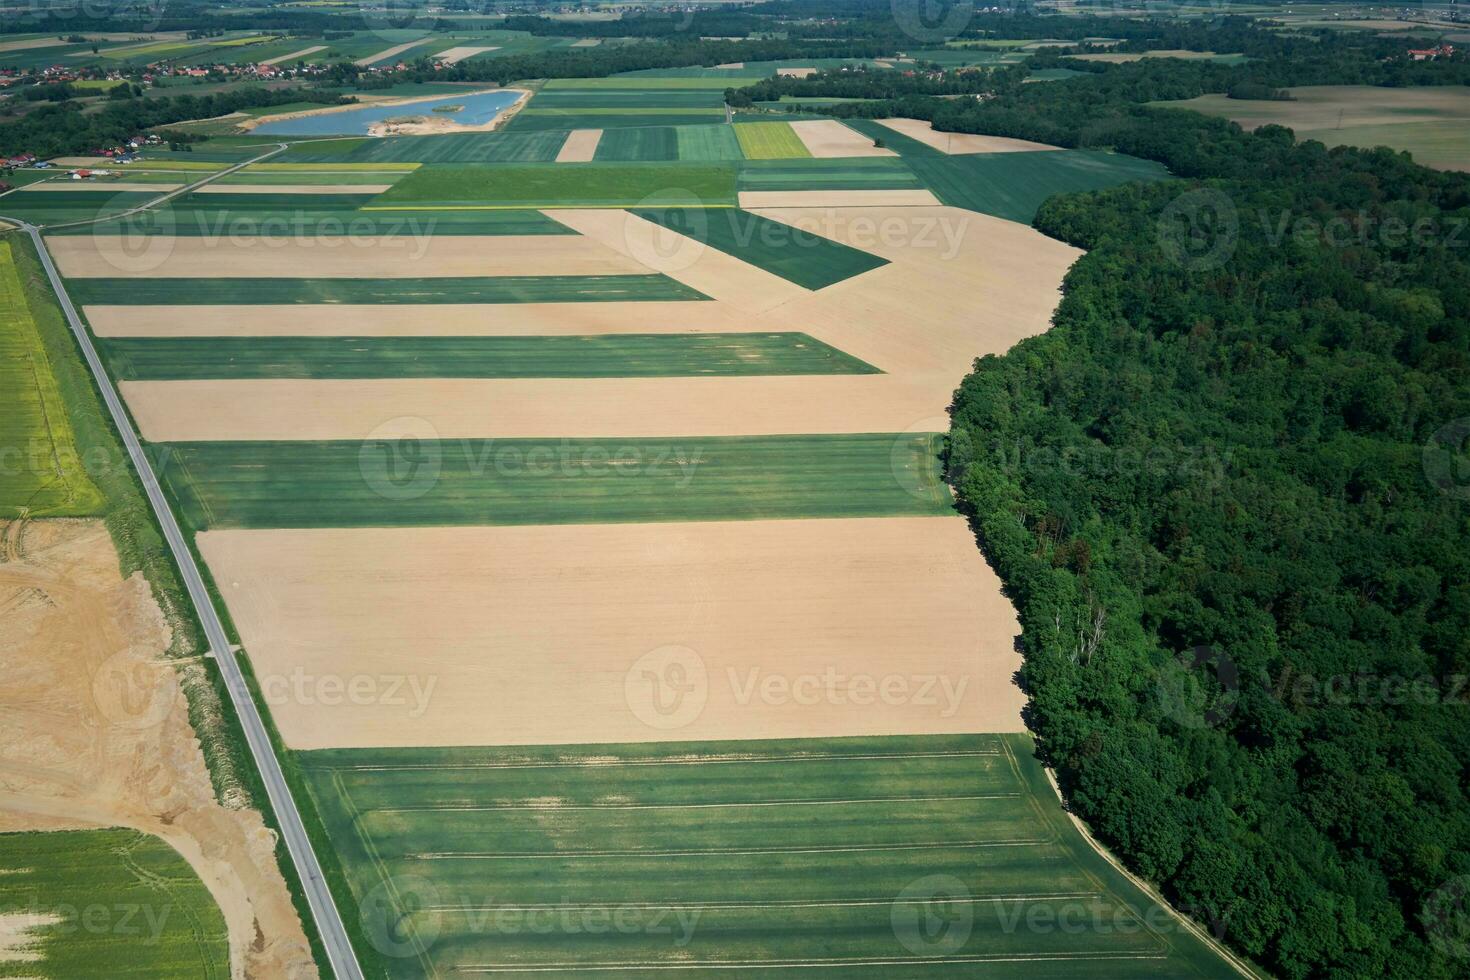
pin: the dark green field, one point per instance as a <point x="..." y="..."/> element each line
<point x="276" y="202"/>
<point x="498" y="289"/>
<point x="643" y="144"/>
<point x="204" y="222"/>
<point x="798" y="256"/>
<point x="561" y="120"/>
<point x="1011" y="185"/>
<point x="877" y="859"/>
<point x="556" y="481"/>
<point x="449" y="148"/>
<point x="129" y="907"/>
<point x="564" y="185"/>
<point x="858" y="173"/>
<point x="597" y="356"/>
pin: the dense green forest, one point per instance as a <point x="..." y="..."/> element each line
<point x="1221" y="492"/>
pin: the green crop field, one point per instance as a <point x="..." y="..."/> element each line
<point x="247" y="200"/>
<point x="596" y="98"/>
<point x="450" y="148"/>
<point x="42" y="471"/>
<point x="558" y="481"/>
<point x="858" y="173"/>
<point x="593" y="356"/>
<point x="564" y="185"/>
<point x="312" y="178"/>
<point x="651" y="82"/>
<point x="638" y="144"/>
<point x="708" y="143"/>
<point x="770" y="141"/>
<point x="865" y="858"/>
<point x="561" y="120"/>
<point x="447" y="289"/>
<point x="203" y="222"/>
<point x="799" y="256"/>
<point x="124" y="905"/>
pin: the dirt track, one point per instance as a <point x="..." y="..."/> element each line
<point x="94" y="732"/>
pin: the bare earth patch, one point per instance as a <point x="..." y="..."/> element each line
<point x="580" y="147"/>
<point x="404" y="256"/>
<point x="455" y="55"/>
<point x="960" y="143"/>
<point x="95" y="732"/>
<point x="96" y="186"/>
<point x="387" y="53"/>
<point x="796" y="72"/>
<point x="566" y="634"/>
<point x="828" y="138"/>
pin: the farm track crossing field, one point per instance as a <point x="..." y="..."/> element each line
<point x="43" y="473"/>
<point x="114" y="897"/>
<point x="857" y="858"/>
<point x="798" y="256"/>
<point x="564" y="185"/>
<point x="500" y="289"/>
<point x="770" y="141"/>
<point x="556" y="481"/>
<point x="596" y="356"/>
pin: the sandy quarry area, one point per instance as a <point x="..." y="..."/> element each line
<point x="828" y="138"/>
<point x="437" y="123"/>
<point x="958" y="285"/>
<point x="403" y="320"/>
<point x="388" y="256"/>
<point x="94" y="732"/>
<point x="295" y="55"/>
<point x="960" y="143"/>
<point x="580" y="146"/>
<point x="624" y="632"/>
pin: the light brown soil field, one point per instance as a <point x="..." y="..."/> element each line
<point x="95" y="732"/>
<point x="587" y="42"/>
<point x="732" y="64"/>
<point x="456" y="55"/>
<point x="960" y="143"/>
<point x="389" y="256"/>
<point x="387" y="53"/>
<point x="717" y="275"/>
<point x="958" y="285"/>
<point x="828" y="138"/>
<point x="453" y="408"/>
<point x="624" y="632"/>
<point x="294" y="55"/>
<point x="32" y="42"/>
<point x="96" y="186"/>
<point x="796" y="72"/>
<point x="580" y="147"/>
<point x="439" y="320"/>
<point x="838" y="199"/>
<point x="293" y="188"/>
<point x="1122" y="57"/>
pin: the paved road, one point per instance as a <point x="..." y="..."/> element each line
<point x="288" y="818"/>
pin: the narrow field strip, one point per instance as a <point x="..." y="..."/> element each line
<point x="700" y="761"/>
<point x="820" y="963"/>
<point x="524" y="807"/>
<point x="844" y="903"/>
<point x="562" y="185"/>
<point x="627" y="355"/>
<point x="641" y="853"/>
<point x="447" y="289"/>
<point x="566" y="481"/>
<point x="269" y="226"/>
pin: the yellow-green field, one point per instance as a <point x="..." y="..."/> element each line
<point x="770" y="141"/>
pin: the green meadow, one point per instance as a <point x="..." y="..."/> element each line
<point x="565" y="185"/>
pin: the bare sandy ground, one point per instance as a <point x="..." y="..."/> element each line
<point x="960" y="143"/>
<point x="828" y="138"/>
<point x="436" y="125"/>
<point x="837" y="199"/>
<point x="624" y="632"/>
<point x="387" y="53"/>
<point x="714" y="273"/>
<point x="294" y="55"/>
<point x="455" y="55"/>
<point x="439" y="320"/>
<point x="796" y="72"/>
<point x="96" y="186"/>
<point x="958" y="285"/>
<point x="95" y="732"/>
<point x="388" y="256"/>
<point x="580" y="147"/>
<point x="26" y="44"/>
<point x="587" y="42"/>
<point x="294" y="188"/>
<point x="18" y="935"/>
